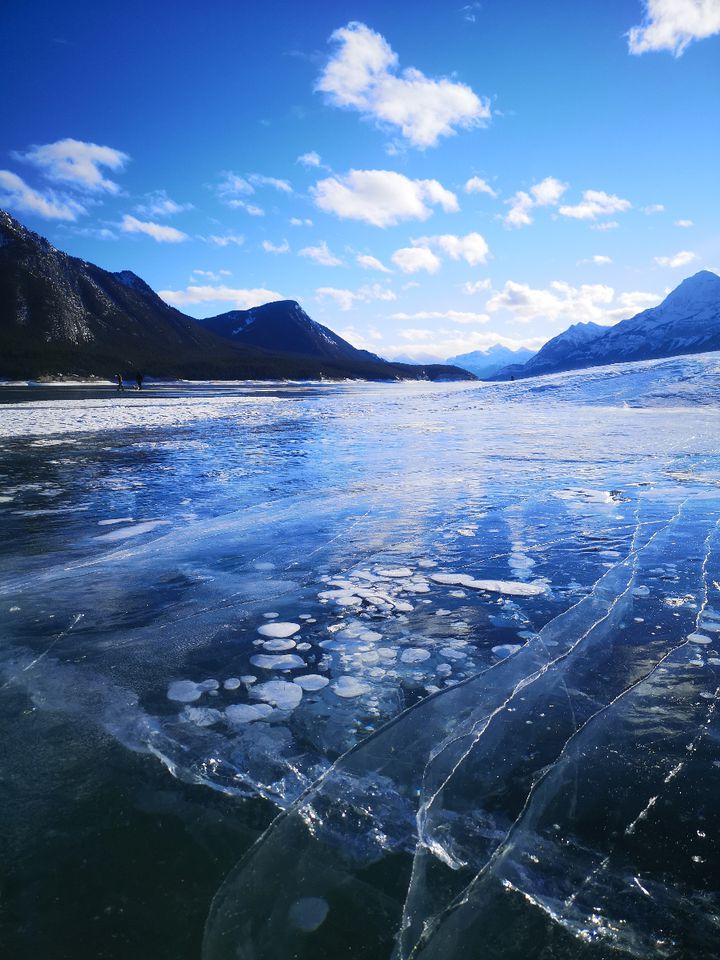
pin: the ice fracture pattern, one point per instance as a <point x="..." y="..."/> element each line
<point x="465" y="638"/>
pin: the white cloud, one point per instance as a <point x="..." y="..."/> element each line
<point x="563" y="303"/>
<point x="297" y="222"/>
<point x="232" y="185"/>
<point x="157" y="231"/>
<point x="546" y="193"/>
<point x="381" y="197"/>
<point x="18" y="195"/>
<point x="310" y="159"/>
<point x="159" y="204"/>
<point x="599" y="259"/>
<point x="415" y="259"/>
<point x="478" y="185"/>
<point x="77" y="163"/>
<point x="321" y="254"/>
<point x="269" y="247"/>
<point x="258" y="179"/>
<point x="241" y="299"/>
<point x="476" y="286"/>
<point x="684" y="223"/>
<point x="210" y="274"/>
<point x="472" y="247"/>
<point x="595" y="203"/>
<point x="226" y="240"/>
<point x="250" y="208"/>
<point x="371" y="263"/>
<point x="454" y="316"/>
<point x="346" y="299"/>
<point x="680" y="259"/>
<point x="653" y="208"/>
<point x="673" y="24"/>
<point x="362" y="75"/>
<point x="603" y="227"/>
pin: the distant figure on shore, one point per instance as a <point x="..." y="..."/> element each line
<point x="120" y="385"/>
<point x="139" y="379"/>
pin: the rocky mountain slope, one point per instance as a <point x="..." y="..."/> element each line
<point x="60" y="315"/>
<point x="686" y="322"/>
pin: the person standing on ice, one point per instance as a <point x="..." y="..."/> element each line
<point x="120" y="386"/>
<point x="139" y="380"/>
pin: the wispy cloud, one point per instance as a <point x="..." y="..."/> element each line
<point x="478" y="185"/>
<point x="321" y="254"/>
<point x="77" y="164"/>
<point x="346" y="299"/>
<point x="363" y="75"/>
<point x="158" y="231"/>
<point x="158" y="204"/>
<point x="270" y="247"/>
<point x="371" y="263"/>
<point x="240" y="298"/>
<point x="680" y="259"/>
<point x="309" y="159"/>
<point x="594" y="204"/>
<point x="16" y="194"/>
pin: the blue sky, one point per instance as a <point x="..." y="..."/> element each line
<point x="425" y="178"/>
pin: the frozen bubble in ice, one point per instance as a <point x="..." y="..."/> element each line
<point x="308" y="913"/>
<point x="450" y="653"/>
<point x="443" y="613"/>
<point x="386" y="653"/>
<point x="184" y="691"/>
<point x="641" y="591"/>
<point x="278" y="630"/>
<point x="370" y="635"/>
<point x="348" y="687"/>
<point x="506" y="650"/>
<point x="282" y="694"/>
<point x="427" y="563"/>
<point x="278" y="644"/>
<point x="394" y="572"/>
<point x="202" y="716"/>
<point x="698" y="638"/>
<point x="509" y="587"/>
<point x="243" y="713"/>
<point x="232" y="683"/>
<point x="248" y="679"/>
<point x="271" y="615"/>
<point x="414" y="655"/>
<point x="209" y="685"/>
<point x="304" y="616"/>
<point x="264" y="565"/>
<point x="286" y="661"/>
<point x="304" y="646"/>
<point x="311" y="681"/>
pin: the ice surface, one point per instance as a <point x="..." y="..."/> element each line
<point x="507" y="813"/>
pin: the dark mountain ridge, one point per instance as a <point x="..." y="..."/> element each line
<point x="60" y="315"/>
<point x="687" y="321"/>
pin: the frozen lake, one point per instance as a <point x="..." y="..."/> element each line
<point x="502" y="599"/>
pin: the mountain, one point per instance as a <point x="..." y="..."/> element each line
<point x="285" y="325"/>
<point x="687" y="321"/>
<point x="61" y="315"/>
<point x="483" y="363"/>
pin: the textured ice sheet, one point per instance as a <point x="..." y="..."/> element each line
<point x="381" y="522"/>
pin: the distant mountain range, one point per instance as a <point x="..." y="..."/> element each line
<point x="687" y="321"/>
<point x="63" y="316"/>
<point x="483" y="363"/>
